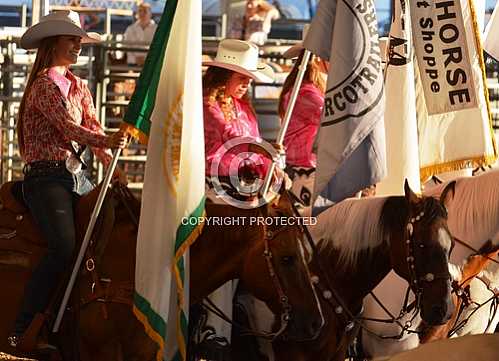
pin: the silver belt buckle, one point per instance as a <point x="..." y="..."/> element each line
<point x="73" y="165"/>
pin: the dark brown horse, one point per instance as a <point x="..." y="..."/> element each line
<point x="106" y="328"/>
<point x="359" y="242"/>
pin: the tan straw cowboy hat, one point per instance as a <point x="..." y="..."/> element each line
<point x="242" y="57"/>
<point x="66" y="22"/>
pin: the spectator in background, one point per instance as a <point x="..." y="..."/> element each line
<point x="87" y="21"/>
<point x="141" y="33"/>
<point x="256" y="22"/>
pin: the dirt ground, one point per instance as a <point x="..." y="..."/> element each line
<point x="7" y="357"/>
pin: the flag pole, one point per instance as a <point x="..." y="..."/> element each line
<point x="287" y="117"/>
<point x="86" y="239"/>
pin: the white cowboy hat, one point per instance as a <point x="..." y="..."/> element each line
<point x="242" y="57"/>
<point x="65" y="22"/>
<point x="295" y="50"/>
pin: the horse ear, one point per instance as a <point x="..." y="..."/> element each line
<point x="410" y="196"/>
<point x="448" y="193"/>
<point x="285" y="202"/>
<point x="282" y="202"/>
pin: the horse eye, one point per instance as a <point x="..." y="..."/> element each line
<point x="287" y="260"/>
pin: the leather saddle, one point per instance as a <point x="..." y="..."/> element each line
<point x="19" y="233"/>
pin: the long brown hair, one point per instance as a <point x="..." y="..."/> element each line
<point x="312" y="75"/>
<point x="214" y="83"/>
<point x="43" y="61"/>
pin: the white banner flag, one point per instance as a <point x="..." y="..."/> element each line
<point x="443" y="56"/>
<point x="463" y="138"/>
<point x="351" y="145"/>
<point x="400" y="93"/>
<point x="170" y="93"/>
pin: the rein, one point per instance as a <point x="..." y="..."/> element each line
<point x="462" y="289"/>
<point x="477" y="252"/>
<point x="330" y="294"/>
<point x="105" y="290"/>
<point x="465" y="301"/>
<point x="283" y="299"/>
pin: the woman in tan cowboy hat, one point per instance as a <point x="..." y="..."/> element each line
<point x="228" y="114"/>
<point x="56" y="121"/>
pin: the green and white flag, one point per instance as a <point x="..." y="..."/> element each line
<point x="167" y="108"/>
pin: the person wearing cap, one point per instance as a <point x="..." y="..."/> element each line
<point x="304" y="122"/>
<point x="141" y="32"/>
<point x="56" y="120"/>
<point x="228" y="113"/>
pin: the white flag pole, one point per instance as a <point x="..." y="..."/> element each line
<point x="86" y="239"/>
<point x="287" y="117"/>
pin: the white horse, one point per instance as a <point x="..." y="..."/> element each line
<point x="467" y="348"/>
<point x="473" y="218"/>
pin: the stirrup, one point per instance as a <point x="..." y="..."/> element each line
<point x="13" y="340"/>
<point x="45" y="347"/>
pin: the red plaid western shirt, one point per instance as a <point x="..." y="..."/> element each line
<point x="59" y="109"/>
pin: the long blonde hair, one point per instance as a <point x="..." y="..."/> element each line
<point x="214" y="83"/>
<point x="43" y="60"/>
<point x="312" y="75"/>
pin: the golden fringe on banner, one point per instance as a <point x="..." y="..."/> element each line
<point x="487" y="159"/>
<point x="426" y="172"/>
<point x="479" y="50"/>
<point x="134" y="132"/>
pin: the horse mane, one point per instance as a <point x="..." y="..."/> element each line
<point x="475" y="206"/>
<point x="349" y="227"/>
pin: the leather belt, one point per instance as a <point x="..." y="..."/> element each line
<point x="43" y="166"/>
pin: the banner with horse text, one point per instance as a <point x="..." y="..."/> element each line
<point x="458" y="135"/>
<point x="443" y="56"/>
<point x="400" y="126"/>
<point x="170" y="105"/>
<point x="351" y="140"/>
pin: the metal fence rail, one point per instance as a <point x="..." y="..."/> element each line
<point x="112" y="83"/>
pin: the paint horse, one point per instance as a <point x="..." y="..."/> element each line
<point x="359" y="241"/>
<point x="474" y="219"/>
<point x="269" y="259"/>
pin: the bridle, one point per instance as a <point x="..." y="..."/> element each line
<point x="286" y="313"/>
<point x="341" y="309"/>
<point x="463" y="294"/>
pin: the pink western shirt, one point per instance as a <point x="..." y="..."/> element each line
<point x="59" y="109"/>
<point x="218" y="131"/>
<point x="303" y="126"/>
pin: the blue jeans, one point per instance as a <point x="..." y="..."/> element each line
<point x="51" y="200"/>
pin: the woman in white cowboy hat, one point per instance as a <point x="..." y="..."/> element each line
<point x="229" y="116"/>
<point x="56" y="121"/>
<point x="304" y="122"/>
<point x="228" y="113"/>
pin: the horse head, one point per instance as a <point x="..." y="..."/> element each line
<point x="281" y="277"/>
<point x="422" y="256"/>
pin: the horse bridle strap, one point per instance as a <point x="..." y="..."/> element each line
<point x="477" y="252"/>
<point x="245" y="331"/>
<point x="283" y="299"/>
<point x="341" y="306"/>
<point x="461" y="289"/>
<point x="330" y="293"/>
